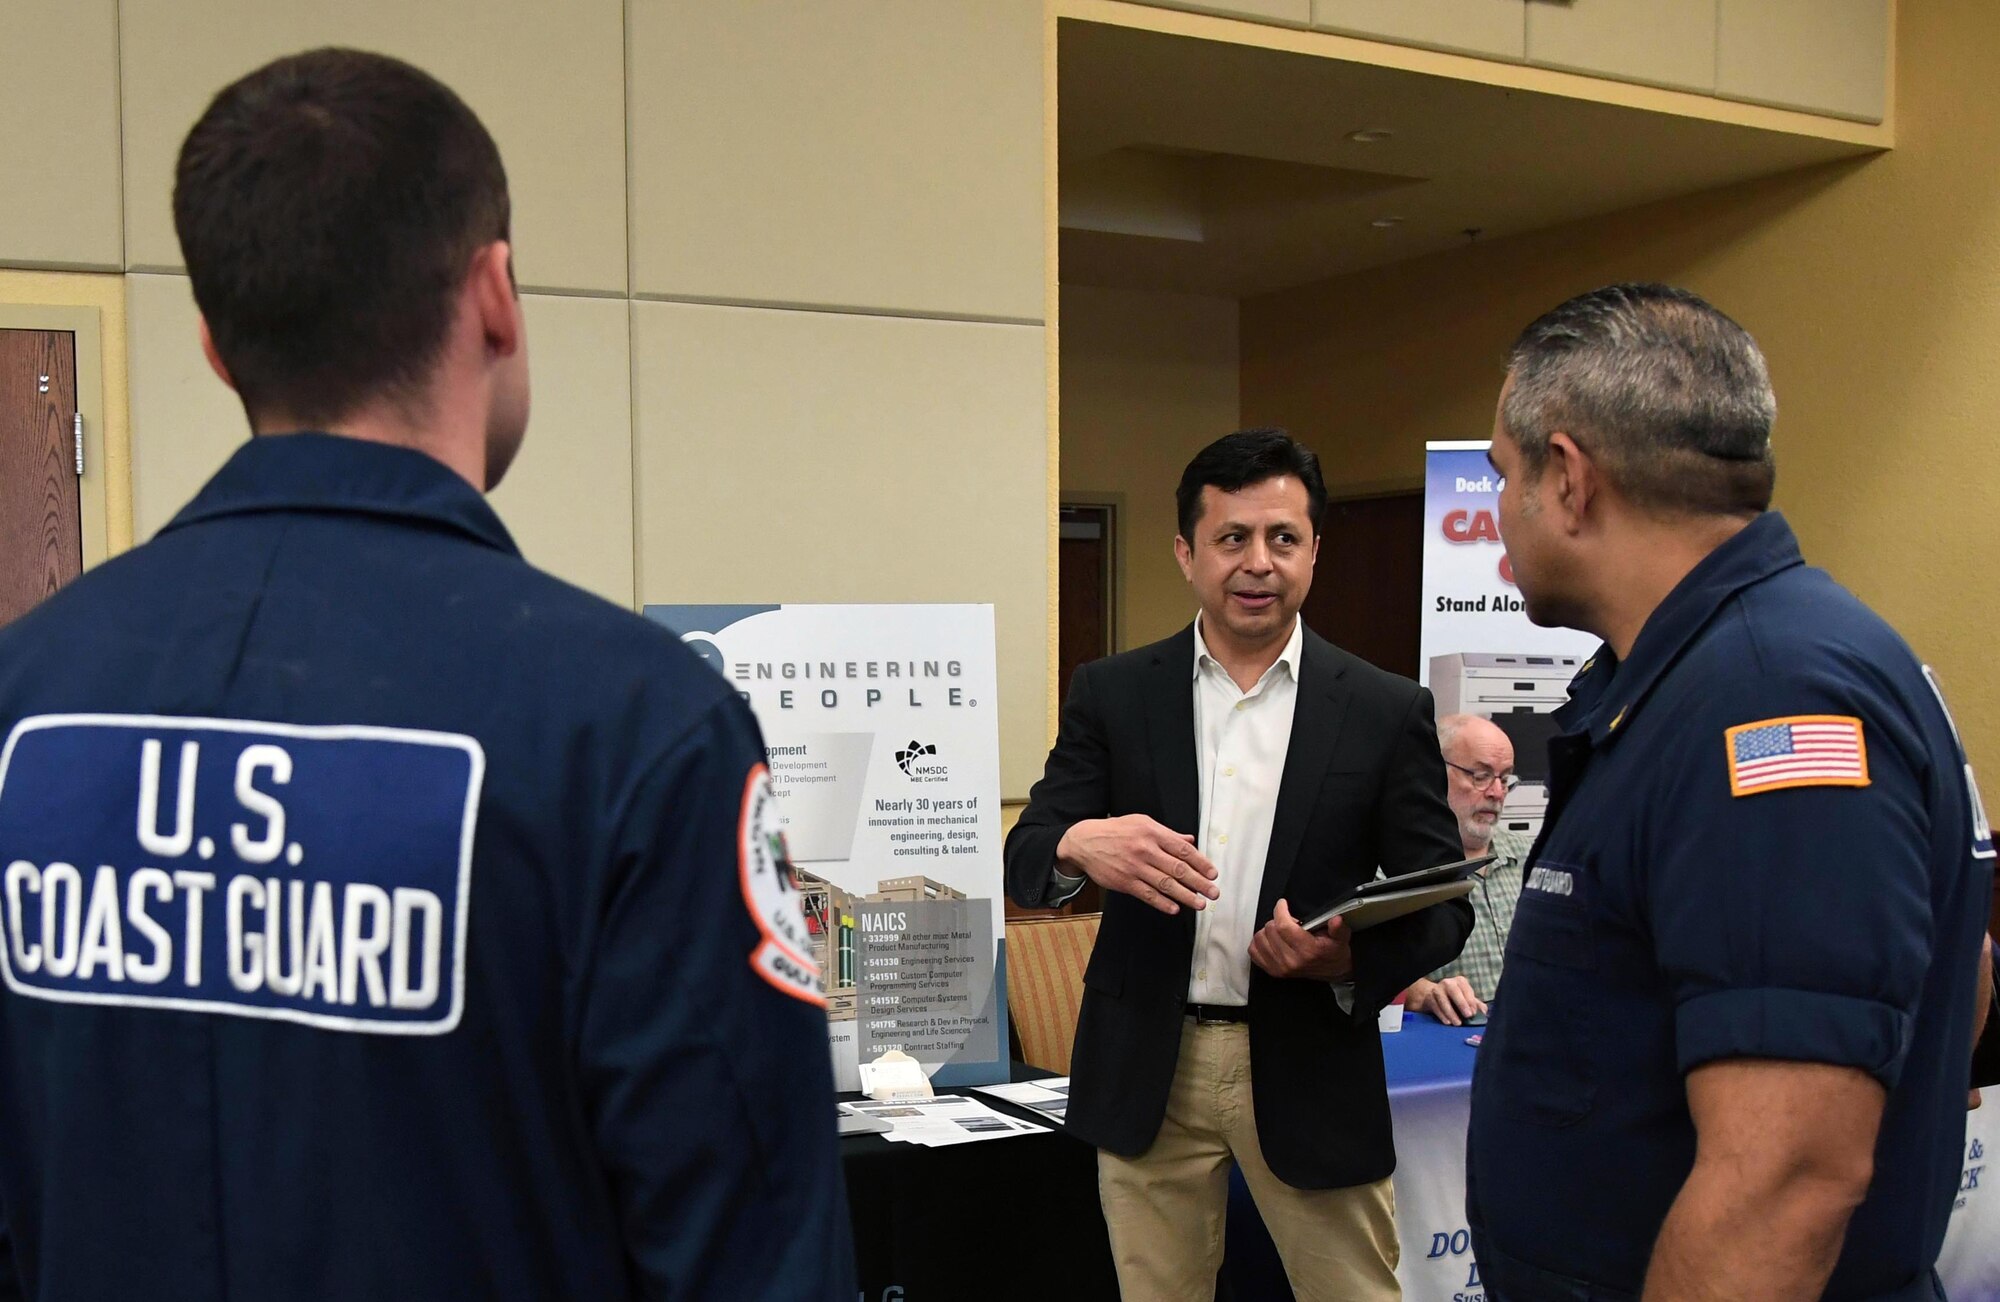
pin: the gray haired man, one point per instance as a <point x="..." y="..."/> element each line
<point x="1479" y="772"/>
<point x="1733" y="1055"/>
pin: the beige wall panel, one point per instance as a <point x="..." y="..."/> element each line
<point x="185" y="422"/>
<point x="1664" y="42"/>
<point x="1853" y="276"/>
<point x="547" y="79"/>
<point x="882" y="156"/>
<point x="1495" y="28"/>
<point x="59" y="145"/>
<point x="1824" y="56"/>
<point x="568" y="498"/>
<point x="567" y="501"/>
<point x="1294" y="13"/>
<point x="1148" y="380"/>
<point x="818" y="457"/>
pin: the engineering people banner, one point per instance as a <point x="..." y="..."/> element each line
<point x="881" y="729"/>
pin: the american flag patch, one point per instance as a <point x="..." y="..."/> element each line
<point x="1803" y="750"/>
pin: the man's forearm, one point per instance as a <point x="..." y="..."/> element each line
<point x="1391" y="956"/>
<point x="1730" y="1237"/>
<point x="1057" y="887"/>
<point x="1031" y="863"/>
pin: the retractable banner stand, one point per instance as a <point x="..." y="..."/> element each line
<point x="1437" y="1264"/>
<point x="881" y="725"/>
<point x="1969" y="1263"/>
<point x="1471" y="605"/>
<point x="1479" y="653"/>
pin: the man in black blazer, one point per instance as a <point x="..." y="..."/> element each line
<point x="1219" y="786"/>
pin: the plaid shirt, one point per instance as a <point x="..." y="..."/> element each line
<point x="1493" y="901"/>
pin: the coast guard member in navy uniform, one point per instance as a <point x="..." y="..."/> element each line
<point x="1730" y="1057"/>
<point x="384" y="918"/>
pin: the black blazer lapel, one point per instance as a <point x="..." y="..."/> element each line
<point x="1170" y="731"/>
<point x="1316" y="720"/>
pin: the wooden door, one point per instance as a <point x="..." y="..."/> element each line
<point x="1085" y="599"/>
<point x="1367" y="592"/>
<point x="1083" y="581"/>
<point x="41" y="521"/>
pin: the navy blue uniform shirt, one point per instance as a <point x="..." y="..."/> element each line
<point x="1763" y="842"/>
<point x="387" y="919"/>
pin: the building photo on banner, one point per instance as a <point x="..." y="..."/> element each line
<point x="881" y="730"/>
<point x="1482" y="655"/>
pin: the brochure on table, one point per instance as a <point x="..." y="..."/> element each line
<point x="882" y="730"/>
<point x="943" y="1121"/>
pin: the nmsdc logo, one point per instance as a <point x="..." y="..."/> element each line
<point x="914" y="759"/>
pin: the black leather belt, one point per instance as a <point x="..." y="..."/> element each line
<point x="1218" y="1012"/>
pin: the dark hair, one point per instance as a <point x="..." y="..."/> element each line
<point x="1251" y="456"/>
<point x="329" y="206"/>
<point x="1670" y="395"/>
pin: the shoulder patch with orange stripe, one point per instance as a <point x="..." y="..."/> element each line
<point x="783" y="956"/>
<point x="1797" y="750"/>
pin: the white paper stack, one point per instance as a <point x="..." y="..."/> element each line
<point x="945" y="1120"/>
<point x="1049" y="1096"/>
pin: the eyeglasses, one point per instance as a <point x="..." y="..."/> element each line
<point x="1483" y="778"/>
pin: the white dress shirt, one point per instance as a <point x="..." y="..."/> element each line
<point x="1241" y="739"/>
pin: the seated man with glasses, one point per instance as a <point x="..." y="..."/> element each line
<point x="1479" y="767"/>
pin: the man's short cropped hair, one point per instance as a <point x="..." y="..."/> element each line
<point x="329" y="206"/>
<point x="1251" y="456"/>
<point x="1669" y="395"/>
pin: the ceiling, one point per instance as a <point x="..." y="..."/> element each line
<point x="1204" y="167"/>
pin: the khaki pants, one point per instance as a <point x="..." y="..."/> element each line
<point x="1165" y="1208"/>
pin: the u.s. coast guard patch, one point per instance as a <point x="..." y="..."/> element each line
<point x="783" y="955"/>
<point x="319" y="875"/>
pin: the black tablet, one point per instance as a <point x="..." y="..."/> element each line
<point x="1446" y="872"/>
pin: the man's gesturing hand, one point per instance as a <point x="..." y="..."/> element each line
<point x="1138" y="856"/>
<point x="1285" y="949"/>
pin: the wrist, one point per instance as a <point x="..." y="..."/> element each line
<point x="1066" y="856"/>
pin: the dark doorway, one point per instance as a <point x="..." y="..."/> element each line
<point x="41" y="521"/>
<point x="1083" y="561"/>
<point x="1368" y="586"/>
<point x="1086" y="625"/>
